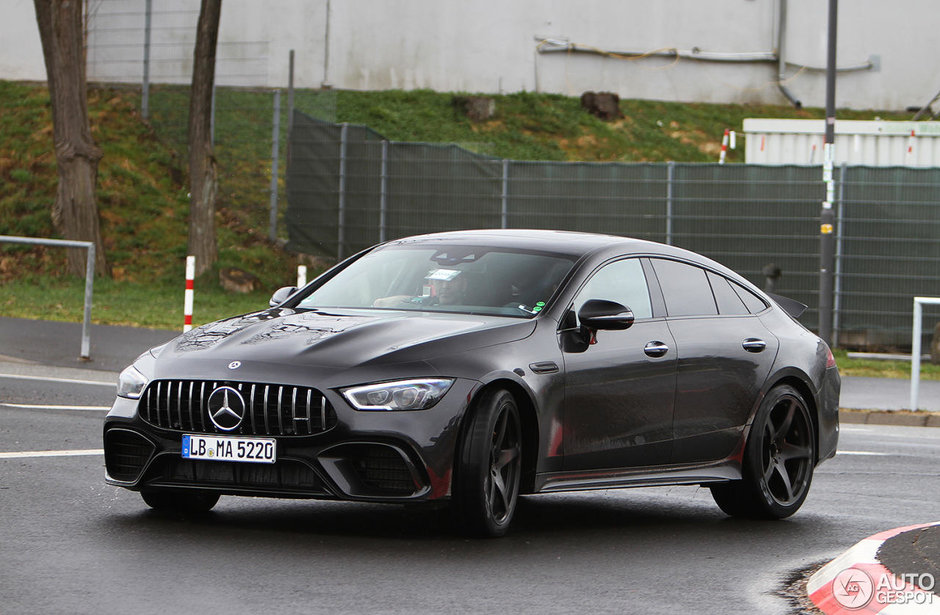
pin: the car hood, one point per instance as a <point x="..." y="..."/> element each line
<point x="340" y="339"/>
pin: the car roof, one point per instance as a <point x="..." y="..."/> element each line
<point x="562" y="242"/>
<point x="570" y="243"/>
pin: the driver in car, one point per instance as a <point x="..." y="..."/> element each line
<point x="443" y="287"/>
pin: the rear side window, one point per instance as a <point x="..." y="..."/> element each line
<point x="685" y="289"/>
<point x="729" y="303"/>
<point x="754" y="303"/>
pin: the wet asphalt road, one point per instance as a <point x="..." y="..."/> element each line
<point x="71" y="544"/>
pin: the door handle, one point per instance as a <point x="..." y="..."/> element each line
<point x="753" y="344"/>
<point x="655" y="349"/>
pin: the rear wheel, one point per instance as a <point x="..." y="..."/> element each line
<point x="778" y="460"/>
<point x="190" y="502"/>
<point x="489" y="463"/>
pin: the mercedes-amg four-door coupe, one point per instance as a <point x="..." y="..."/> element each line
<point x="472" y="367"/>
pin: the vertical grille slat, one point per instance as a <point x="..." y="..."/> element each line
<point x="267" y="426"/>
<point x="309" y="397"/>
<point x="192" y="423"/>
<point x="293" y="412"/>
<point x="175" y="404"/>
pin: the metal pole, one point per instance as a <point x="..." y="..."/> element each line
<point x="840" y="216"/>
<point x="275" y="154"/>
<point x="290" y="96"/>
<point x="504" y="196"/>
<point x="326" y="50"/>
<point x="670" y="174"/>
<point x="383" y="193"/>
<point x="145" y="86"/>
<point x="915" y="353"/>
<point x="826" y="217"/>
<point x="341" y="215"/>
<point x="86" y="320"/>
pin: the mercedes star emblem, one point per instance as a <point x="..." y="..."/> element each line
<point x="226" y="408"/>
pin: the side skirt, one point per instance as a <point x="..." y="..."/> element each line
<point x="639" y="477"/>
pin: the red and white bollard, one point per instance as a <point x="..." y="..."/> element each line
<point x="188" y="295"/>
<point x="910" y="143"/>
<point x="724" y="147"/>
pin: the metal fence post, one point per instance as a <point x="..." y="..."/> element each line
<point x="275" y="154"/>
<point x="86" y="319"/>
<point x="837" y="299"/>
<point x="290" y="95"/>
<point x="341" y="205"/>
<point x="145" y="86"/>
<point x="383" y="193"/>
<point x="504" y="196"/>
<point x="670" y="173"/>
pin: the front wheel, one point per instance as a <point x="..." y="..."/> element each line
<point x="187" y="502"/>
<point x="778" y="460"/>
<point x="489" y="463"/>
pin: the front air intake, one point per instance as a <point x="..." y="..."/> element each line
<point x="126" y="453"/>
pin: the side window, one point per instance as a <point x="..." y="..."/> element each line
<point x="754" y="303"/>
<point x="620" y="281"/>
<point x="685" y="288"/>
<point x="729" y="303"/>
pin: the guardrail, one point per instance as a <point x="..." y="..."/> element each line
<point x="915" y="351"/>
<point x="89" y="278"/>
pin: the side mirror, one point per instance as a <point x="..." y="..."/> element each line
<point x="599" y="314"/>
<point x="281" y="295"/>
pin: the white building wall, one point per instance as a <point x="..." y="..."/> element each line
<point x="491" y="46"/>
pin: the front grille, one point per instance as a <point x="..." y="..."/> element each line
<point x="270" y="409"/>
<point x="285" y="476"/>
<point x="125" y="454"/>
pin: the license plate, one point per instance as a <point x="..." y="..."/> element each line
<point x="230" y="448"/>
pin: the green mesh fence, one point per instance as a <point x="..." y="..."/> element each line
<point x="349" y="189"/>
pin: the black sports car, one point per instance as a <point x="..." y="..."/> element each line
<point x="476" y="366"/>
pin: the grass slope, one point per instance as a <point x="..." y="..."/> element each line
<point x="142" y="194"/>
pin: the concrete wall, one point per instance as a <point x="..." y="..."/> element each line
<point x="492" y="46"/>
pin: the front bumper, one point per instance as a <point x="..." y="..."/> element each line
<point x="372" y="456"/>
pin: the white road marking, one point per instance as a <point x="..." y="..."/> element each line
<point x="870" y="453"/>
<point x="76" y="453"/>
<point x="51" y="407"/>
<point x="64" y="380"/>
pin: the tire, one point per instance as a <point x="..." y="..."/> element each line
<point x="186" y="502"/>
<point x="488" y="466"/>
<point x="778" y="460"/>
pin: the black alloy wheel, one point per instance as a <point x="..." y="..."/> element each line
<point x="186" y="502"/>
<point x="486" y="483"/>
<point x="778" y="460"/>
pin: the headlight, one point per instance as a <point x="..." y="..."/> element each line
<point x="131" y="383"/>
<point x="134" y="379"/>
<point x="400" y="395"/>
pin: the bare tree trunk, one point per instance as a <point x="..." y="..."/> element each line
<point x="202" y="167"/>
<point x="75" y="212"/>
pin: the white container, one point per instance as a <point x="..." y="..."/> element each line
<point x="860" y="143"/>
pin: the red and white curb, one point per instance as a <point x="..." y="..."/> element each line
<point x="856" y="582"/>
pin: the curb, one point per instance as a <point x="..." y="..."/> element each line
<point x="921" y="418"/>
<point x="857" y="582"/>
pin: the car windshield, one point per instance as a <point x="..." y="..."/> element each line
<point x="441" y="278"/>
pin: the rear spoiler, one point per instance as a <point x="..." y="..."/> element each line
<point x="791" y="306"/>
